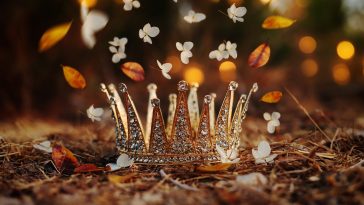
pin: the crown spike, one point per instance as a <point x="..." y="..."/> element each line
<point x="158" y="138"/>
<point x="254" y="89"/>
<point x="212" y="113"/>
<point x="119" y="106"/>
<point x="235" y="129"/>
<point x="152" y="90"/>
<point x="181" y="129"/>
<point x="223" y="120"/>
<point x="193" y="107"/>
<point x="171" y="110"/>
<point x="121" y="136"/>
<point x="136" y="142"/>
<point x="203" y="139"/>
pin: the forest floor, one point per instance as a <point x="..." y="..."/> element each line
<point x="313" y="166"/>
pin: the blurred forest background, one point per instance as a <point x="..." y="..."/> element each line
<point x="305" y="57"/>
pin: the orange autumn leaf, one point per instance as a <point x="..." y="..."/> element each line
<point x="53" y="35"/>
<point x="214" y="168"/>
<point x="73" y="77"/>
<point x="88" y="168"/>
<point x="272" y="97"/>
<point x="116" y="179"/>
<point x="277" y="22"/>
<point x="133" y="70"/>
<point x="61" y="154"/>
<point x="260" y="56"/>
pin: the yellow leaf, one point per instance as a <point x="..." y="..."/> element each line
<point x="73" y="77"/>
<point x="116" y="179"/>
<point x="272" y="97"/>
<point x="214" y="168"/>
<point x="53" y="35"/>
<point x="277" y="22"/>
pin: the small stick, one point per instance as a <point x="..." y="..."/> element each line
<point x="177" y="183"/>
<point x="307" y="114"/>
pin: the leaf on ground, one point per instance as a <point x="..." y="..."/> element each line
<point x="260" y="56"/>
<point x="61" y="155"/>
<point x="117" y="179"/>
<point x="214" y="168"/>
<point x="74" y="78"/>
<point x="272" y="97"/>
<point x="277" y="22"/>
<point x="53" y="35"/>
<point x="133" y="70"/>
<point x="88" y="168"/>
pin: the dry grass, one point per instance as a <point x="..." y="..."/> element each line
<point x="311" y="168"/>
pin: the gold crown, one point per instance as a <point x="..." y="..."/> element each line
<point x="188" y="136"/>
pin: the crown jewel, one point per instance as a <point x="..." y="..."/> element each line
<point x="188" y="136"/>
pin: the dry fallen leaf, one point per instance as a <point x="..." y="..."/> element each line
<point x="53" y="35"/>
<point x="116" y="179"/>
<point x="61" y="155"/>
<point x="73" y="77"/>
<point x="277" y="22"/>
<point x="260" y="56"/>
<point x="133" y="70"/>
<point x="214" y="168"/>
<point x="88" y="168"/>
<point x="272" y="97"/>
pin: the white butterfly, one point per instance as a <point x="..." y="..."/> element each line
<point x="230" y="156"/>
<point x="273" y="121"/>
<point x="44" y="146"/>
<point x="94" y="113"/>
<point x="231" y="49"/>
<point x="122" y="162"/>
<point x="129" y="4"/>
<point x="262" y="154"/>
<point x="119" y="53"/>
<point x="93" y="22"/>
<point x="254" y="179"/>
<point x="236" y="13"/>
<point x="194" y="17"/>
<point x="220" y="53"/>
<point x="147" y="32"/>
<point x="165" y="68"/>
<point x="185" y="49"/>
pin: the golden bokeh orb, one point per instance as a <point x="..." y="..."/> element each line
<point x="227" y="71"/>
<point x="341" y="74"/>
<point x="345" y="50"/>
<point x="88" y="3"/>
<point x="309" y="67"/>
<point x="307" y="44"/>
<point x="194" y="74"/>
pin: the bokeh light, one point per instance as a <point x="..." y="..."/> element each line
<point x="341" y="74"/>
<point x="88" y="3"/>
<point x="194" y="74"/>
<point x="307" y="44"/>
<point x="236" y="2"/>
<point x="176" y="62"/>
<point x="227" y="71"/>
<point x="345" y="50"/>
<point x="309" y="67"/>
<point x="265" y="1"/>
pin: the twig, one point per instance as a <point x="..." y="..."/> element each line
<point x="177" y="183"/>
<point x="307" y="114"/>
